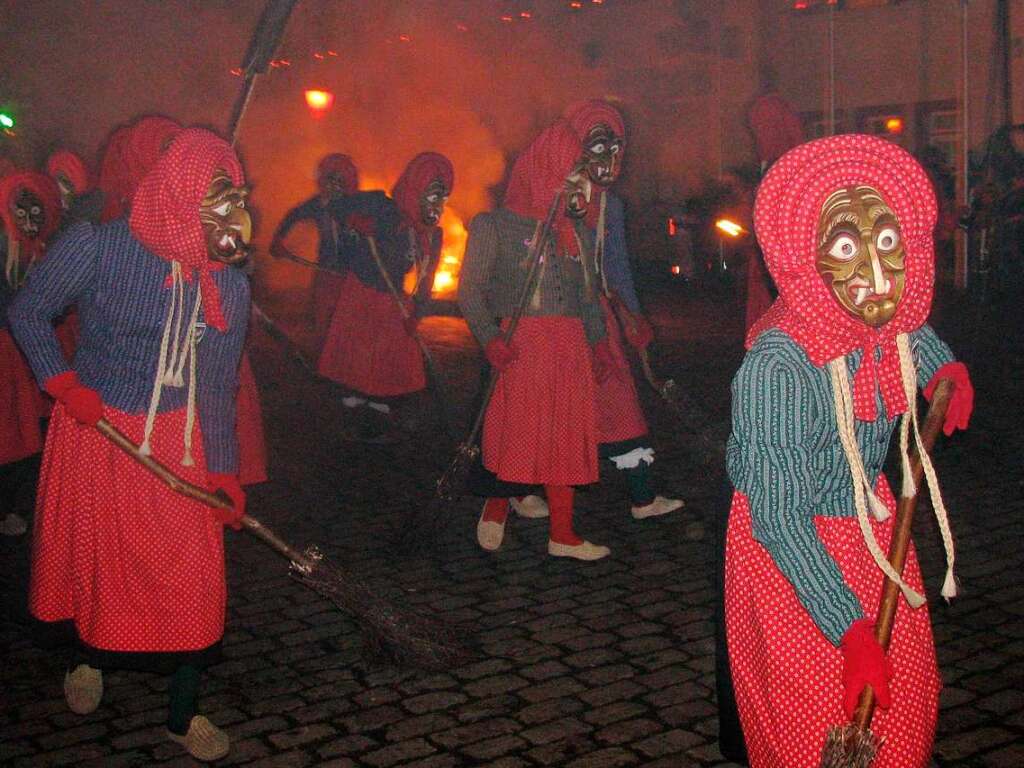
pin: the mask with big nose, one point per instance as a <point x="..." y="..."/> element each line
<point x="226" y="222"/>
<point x="602" y="155"/>
<point x="577" y="189"/>
<point x="432" y="202"/>
<point x="860" y="254"/>
<point x="29" y="215"/>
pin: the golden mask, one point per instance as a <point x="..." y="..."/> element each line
<point x="226" y="222"/>
<point x="860" y="254"/>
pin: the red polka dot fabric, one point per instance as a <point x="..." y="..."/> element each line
<point x="135" y="565"/>
<point x="19" y="404"/>
<point x="252" y="447"/>
<point x="540" y="426"/>
<point x="787" y="676"/>
<point x="786" y="213"/>
<point x="539" y="173"/>
<point x="165" y="209"/>
<point x="367" y="348"/>
<point x="619" y="416"/>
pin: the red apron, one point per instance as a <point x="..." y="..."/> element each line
<point x="367" y="348"/>
<point x="619" y="416"/>
<point x="787" y="676"/>
<point x="137" y="566"/>
<point x="19" y="404"/>
<point x="252" y="448"/>
<point x="540" y="425"/>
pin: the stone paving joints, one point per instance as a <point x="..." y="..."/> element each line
<point x="602" y="664"/>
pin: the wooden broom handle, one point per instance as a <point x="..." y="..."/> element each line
<point x="900" y="543"/>
<point x="218" y="499"/>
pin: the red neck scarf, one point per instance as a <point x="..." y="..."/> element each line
<point x="786" y="215"/>
<point x="417" y="176"/>
<point x="165" y="211"/>
<point x="344" y="167"/>
<point x="66" y="163"/>
<point x="44" y="188"/>
<point x="539" y="174"/>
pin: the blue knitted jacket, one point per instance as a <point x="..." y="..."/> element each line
<point x="122" y="292"/>
<point x="617" y="269"/>
<point x="784" y="454"/>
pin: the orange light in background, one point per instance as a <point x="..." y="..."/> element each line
<point x="894" y="125"/>
<point x="446" y="279"/>
<point x="525" y="15"/>
<point x="319" y="101"/>
<point x="676" y="269"/>
<point x="671" y="227"/>
<point x="731" y="228"/>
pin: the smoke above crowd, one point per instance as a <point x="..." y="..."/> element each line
<point x="471" y="79"/>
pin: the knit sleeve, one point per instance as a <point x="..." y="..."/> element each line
<point x="477" y="266"/>
<point x="62" y="278"/>
<point x="771" y="462"/>
<point x="930" y="353"/>
<point x="618" y="272"/>
<point x="307" y="211"/>
<point x="218" y="357"/>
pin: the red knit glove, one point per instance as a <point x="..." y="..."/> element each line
<point x="961" y="403"/>
<point x="864" y="663"/>
<point x="500" y="354"/>
<point x="217" y="481"/>
<point x="82" y="403"/>
<point x="364" y="225"/>
<point x="604" y="361"/>
<point x="640" y="333"/>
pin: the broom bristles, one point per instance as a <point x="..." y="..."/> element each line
<point x="847" y="746"/>
<point x="390" y="631"/>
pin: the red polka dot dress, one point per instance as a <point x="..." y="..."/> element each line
<point x="135" y="565"/>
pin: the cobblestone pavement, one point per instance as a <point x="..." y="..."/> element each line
<point x="601" y="664"/>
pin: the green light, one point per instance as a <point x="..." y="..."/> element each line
<point x="6" y="120"/>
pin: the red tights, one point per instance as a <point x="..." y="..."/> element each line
<point x="560" y="498"/>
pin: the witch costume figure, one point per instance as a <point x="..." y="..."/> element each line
<point x="620" y="420"/>
<point x="137" y="568"/>
<point x="371" y="349"/>
<point x="336" y="176"/>
<point x="846" y="226"/>
<point x="540" y="426"/>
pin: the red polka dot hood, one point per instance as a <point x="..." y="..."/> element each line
<point x="786" y="214"/>
<point x="165" y="210"/>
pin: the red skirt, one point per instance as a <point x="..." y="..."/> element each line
<point x="252" y="448"/>
<point x="326" y="291"/>
<point x="788" y="677"/>
<point x="619" y="416"/>
<point x="540" y="425"/>
<point x="135" y="565"/>
<point x="19" y="404"/>
<point x="367" y="348"/>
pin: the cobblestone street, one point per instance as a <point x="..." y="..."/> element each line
<point x="581" y="664"/>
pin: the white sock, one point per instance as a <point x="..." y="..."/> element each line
<point x="380" y="407"/>
<point x="352" y="401"/>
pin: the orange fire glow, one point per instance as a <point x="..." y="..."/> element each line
<point x="319" y="101"/>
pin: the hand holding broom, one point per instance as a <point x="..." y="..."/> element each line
<point x="392" y="631"/>
<point x="854" y="745"/>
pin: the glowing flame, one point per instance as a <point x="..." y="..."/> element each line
<point x="319" y="101"/>
<point x="676" y="269"/>
<point x="894" y="125"/>
<point x="731" y="228"/>
<point x="446" y="279"/>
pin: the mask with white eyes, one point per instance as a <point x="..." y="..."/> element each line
<point x="29" y="215"/>
<point x="860" y="254"/>
<point x="225" y="219"/>
<point x="432" y="202"/>
<point x="602" y="155"/>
